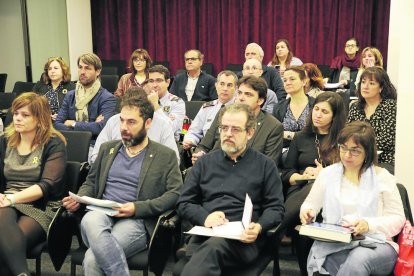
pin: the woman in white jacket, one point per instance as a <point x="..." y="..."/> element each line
<point x="356" y="193"/>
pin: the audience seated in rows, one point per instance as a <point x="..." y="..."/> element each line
<point x="226" y="86"/>
<point x="358" y="194"/>
<point x="293" y="111"/>
<point x="140" y="174"/>
<point x="194" y="84"/>
<point x="268" y="136"/>
<point x="32" y="164"/>
<point x="89" y="106"/>
<point x="312" y="148"/>
<point x="54" y="83"/>
<point x="283" y="57"/>
<point x="270" y="74"/>
<point x="171" y="105"/>
<point x="252" y="67"/>
<point x="205" y="201"/>
<point x="139" y="64"/>
<point x="377" y="105"/>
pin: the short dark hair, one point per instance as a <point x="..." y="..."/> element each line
<point x="299" y="69"/>
<point x="137" y="97"/>
<point x="228" y="73"/>
<point x="236" y="108"/>
<point x="139" y="53"/>
<point x="160" y="69"/>
<point x="363" y="134"/>
<point x="257" y="84"/>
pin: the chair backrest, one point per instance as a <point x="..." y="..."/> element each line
<point x="77" y="145"/>
<point x="405" y="201"/>
<point x="164" y="63"/>
<point x="120" y="64"/>
<point x="325" y="70"/>
<point x="21" y="86"/>
<point x="345" y="94"/>
<point x="234" y="67"/>
<point x="208" y="68"/>
<point x="192" y="108"/>
<point x="110" y="82"/>
<point x="6" y="100"/>
<point x="3" y="79"/>
<point x="109" y="70"/>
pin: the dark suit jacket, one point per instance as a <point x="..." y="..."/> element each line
<point x="41" y="88"/>
<point x="159" y="181"/>
<point x="267" y="139"/>
<point x="205" y="89"/>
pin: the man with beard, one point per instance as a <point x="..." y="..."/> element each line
<point x="215" y="191"/>
<point x="268" y="137"/>
<point x="89" y="106"/>
<point x="161" y="130"/>
<point x="140" y="174"/>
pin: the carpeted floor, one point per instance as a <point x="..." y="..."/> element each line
<point x="288" y="265"/>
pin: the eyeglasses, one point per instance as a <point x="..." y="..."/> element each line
<point x="138" y="60"/>
<point x="234" y="130"/>
<point x="156" y="80"/>
<point x="192" y="59"/>
<point x="350" y="45"/>
<point x="353" y="152"/>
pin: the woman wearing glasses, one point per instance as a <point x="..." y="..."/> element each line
<point x="377" y="105"/>
<point x="357" y="194"/>
<point x="311" y="149"/>
<point x="139" y="63"/>
<point x="345" y="67"/>
<point x="54" y="83"/>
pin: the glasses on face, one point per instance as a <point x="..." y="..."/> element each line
<point x="151" y="81"/>
<point x="233" y="130"/>
<point x="137" y="60"/>
<point x="192" y="59"/>
<point x="353" y="152"/>
<point x="350" y="45"/>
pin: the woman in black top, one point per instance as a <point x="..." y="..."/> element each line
<point x="54" y="83"/>
<point x="311" y="149"/>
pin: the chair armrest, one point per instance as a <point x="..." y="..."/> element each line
<point x="273" y="231"/>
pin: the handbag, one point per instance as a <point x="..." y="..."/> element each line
<point x="405" y="261"/>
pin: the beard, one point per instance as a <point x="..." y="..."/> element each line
<point x="230" y="147"/>
<point x="134" y="140"/>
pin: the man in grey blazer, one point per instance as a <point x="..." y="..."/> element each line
<point x="143" y="176"/>
<point x="268" y="137"/>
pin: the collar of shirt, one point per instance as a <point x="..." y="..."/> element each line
<point x="238" y="159"/>
<point x="194" y="78"/>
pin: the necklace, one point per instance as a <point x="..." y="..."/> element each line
<point x="317" y="144"/>
<point x="134" y="153"/>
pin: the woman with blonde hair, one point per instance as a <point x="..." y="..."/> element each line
<point x="139" y="63"/>
<point x="54" y="83"/>
<point x="370" y="57"/>
<point x="32" y="164"/>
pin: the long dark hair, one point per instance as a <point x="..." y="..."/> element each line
<point x="380" y="75"/>
<point x="328" y="151"/>
<point x="275" y="58"/>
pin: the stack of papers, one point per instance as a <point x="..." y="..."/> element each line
<point x="326" y="232"/>
<point x="101" y="205"/>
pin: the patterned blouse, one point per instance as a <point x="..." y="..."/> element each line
<point x="384" y="122"/>
<point x="291" y="124"/>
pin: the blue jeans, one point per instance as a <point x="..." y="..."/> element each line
<point x="362" y="261"/>
<point x="110" y="242"/>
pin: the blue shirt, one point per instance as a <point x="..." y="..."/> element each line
<point x="122" y="183"/>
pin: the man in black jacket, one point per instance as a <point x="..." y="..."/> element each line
<point x="194" y="84"/>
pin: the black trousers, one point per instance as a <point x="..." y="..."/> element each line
<point x="209" y="255"/>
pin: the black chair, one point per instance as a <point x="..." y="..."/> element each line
<point x="109" y="70"/>
<point x="406" y="202"/>
<point x="3" y="79"/>
<point x="59" y="235"/>
<point x="77" y="145"/>
<point x="192" y="108"/>
<point x="180" y="71"/>
<point x="345" y="94"/>
<point x="269" y="253"/>
<point x="236" y="68"/>
<point x="154" y="258"/>
<point x="21" y="86"/>
<point x="208" y="68"/>
<point x="110" y="82"/>
<point x="120" y="64"/>
<point x="164" y="63"/>
<point x="6" y="100"/>
<point x="325" y="70"/>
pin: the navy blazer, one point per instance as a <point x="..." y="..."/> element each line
<point x="205" y="89"/>
<point x="103" y="103"/>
